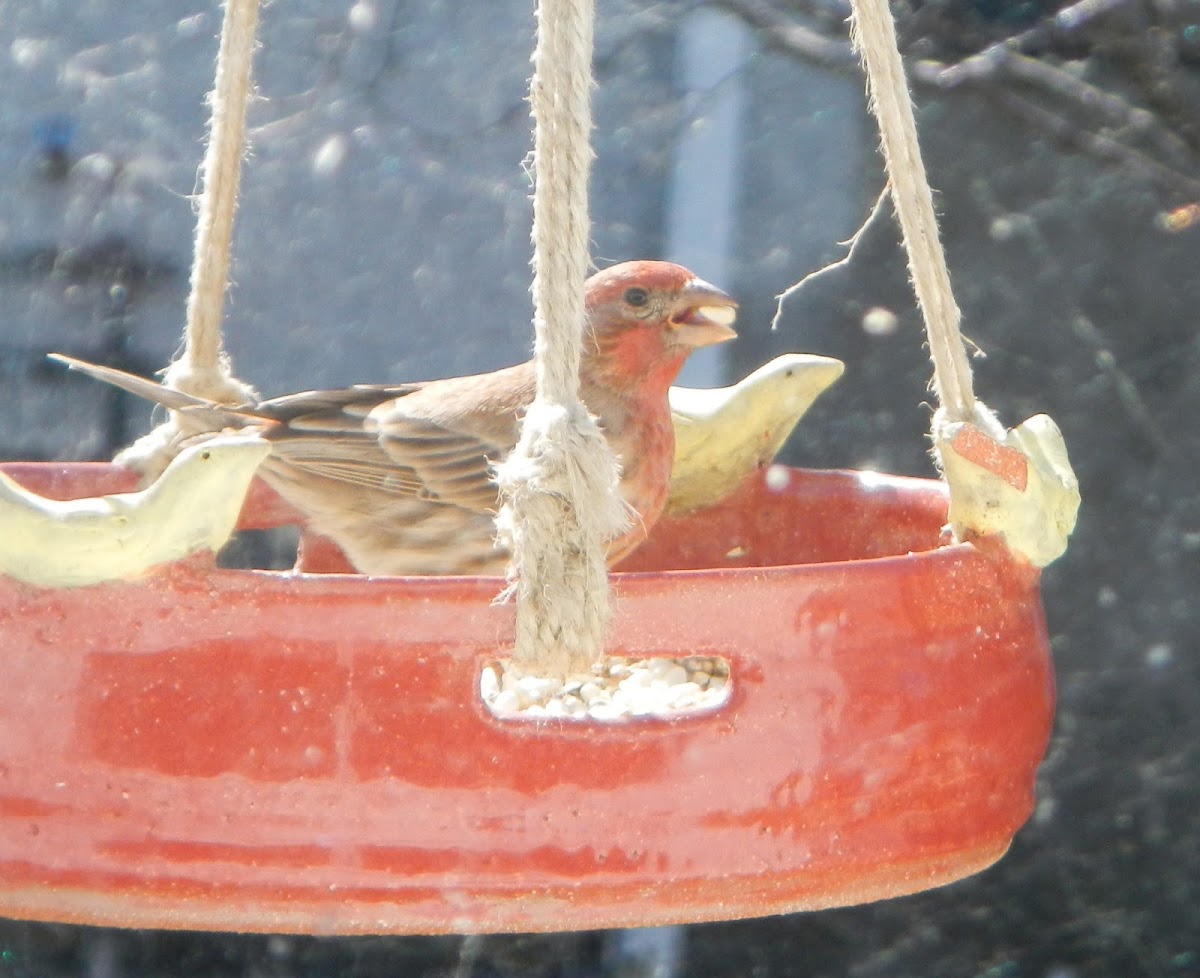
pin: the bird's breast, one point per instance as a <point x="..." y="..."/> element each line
<point x="646" y="451"/>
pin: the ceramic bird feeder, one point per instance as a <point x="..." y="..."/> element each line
<point x="186" y="746"/>
<point x="307" y="752"/>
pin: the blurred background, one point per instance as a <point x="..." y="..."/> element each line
<point x="383" y="236"/>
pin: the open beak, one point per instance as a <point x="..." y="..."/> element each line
<point x="705" y="315"/>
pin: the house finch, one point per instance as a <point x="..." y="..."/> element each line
<point x="401" y="477"/>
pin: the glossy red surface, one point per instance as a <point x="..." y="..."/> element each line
<point x="309" y="753"/>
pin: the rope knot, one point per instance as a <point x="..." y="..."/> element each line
<point x="561" y="508"/>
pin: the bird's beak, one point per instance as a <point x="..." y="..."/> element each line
<point x="704" y="316"/>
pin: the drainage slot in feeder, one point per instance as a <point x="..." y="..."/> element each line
<point x="617" y="689"/>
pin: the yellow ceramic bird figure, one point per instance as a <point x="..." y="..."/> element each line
<point x="724" y="434"/>
<point x="192" y="506"/>
<point x="1016" y="483"/>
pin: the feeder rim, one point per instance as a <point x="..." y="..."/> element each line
<point x="956" y="548"/>
<point x="888" y="483"/>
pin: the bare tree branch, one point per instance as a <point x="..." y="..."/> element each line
<point x="1001" y="62"/>
<point x="1100" y="145"/>
<point x="1096" y="120"/>
<point x="872" y="220"/>
<point x="782" y="31"/>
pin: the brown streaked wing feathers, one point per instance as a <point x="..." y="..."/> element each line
<point x="335" y="407"/>
<point x="406" y="457"/>
<point x="410" y="457"/>
<point x="454" y="467"/>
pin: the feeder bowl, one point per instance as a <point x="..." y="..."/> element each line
<point x="309" y="753"/>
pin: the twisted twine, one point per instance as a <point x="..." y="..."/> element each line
<point x="873" y="33"/>
<point x="559" y="485"/>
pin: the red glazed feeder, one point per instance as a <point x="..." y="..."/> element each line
<point x="259" y="751"/>
<point x="311" y="753"/>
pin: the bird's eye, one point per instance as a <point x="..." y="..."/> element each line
<point x="636" y="296"/>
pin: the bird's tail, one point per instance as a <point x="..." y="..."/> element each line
<point x="208" y="413"/>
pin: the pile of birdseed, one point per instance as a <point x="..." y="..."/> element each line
<point x="614" y="689"/>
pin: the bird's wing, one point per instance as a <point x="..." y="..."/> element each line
<point x="348" y="457"/>
<point x="316" y="432"/>
<point x="452" y="432"/>
<point x="334" y="406"/>
<point x="207" y="413"/>
<point x="339" y="435"/>
<point x="441" y="448"/>
<point x="450" y="466"/>
<point x="326" y="434"/>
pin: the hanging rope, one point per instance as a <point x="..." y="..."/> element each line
<point x="873" y="33"/>
<point x="203" y="369"/>
<point x="559" y="485"/>
<point x="1011" y="485"/>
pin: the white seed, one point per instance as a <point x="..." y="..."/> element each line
<point x="614" y="689"/>
<point x="676" y="675"/>
<point x="605" y="711"/>
<point x="684" y="694"/>
<point x="635" y="680"/>
<point x="589" y="691"/>
<point x="658" y="668"/>
<point x="538" y="688"/>
<point x="489" y="684"/>
<point x="507" y="701"/>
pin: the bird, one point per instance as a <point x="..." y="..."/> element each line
<point x="72" y="543"/>
<point x="725" y="434"/>
<point x="401" y="477"/>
